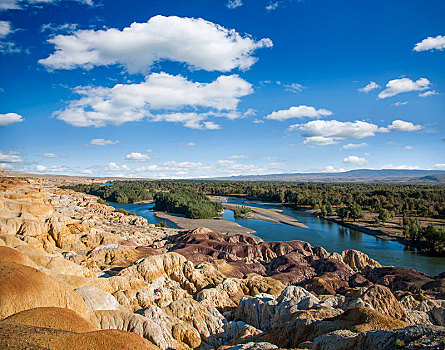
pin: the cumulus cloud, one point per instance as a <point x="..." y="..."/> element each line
<point x="10" y="118"/>
<point x="122" y="103"/>
<point x="112" y="167"/>
<point x="400" y="125"/>
<point x="233" y="4"/>
<point x="398" y="104"/>
<point x="354" y="145"/>
<point x="20" y="4"/>
<point x="330" y="132"/>
<point x="398" y="86"/>
<point x="190" y="144"/>
<point x="429" y="93"/>
<point x="189" y="120"/>
<point x="431" y="44"/>
<point x="408" y="147"/>
<point x="196" y="42"/>
<point x="371" y="86"/>
<point x="301" y="111"/>
<point x="355" y="160"/>
<point x="10" y="157"/>
<point x="51" y="155"/>
<point x="102" y="142"/>
<point x="320" y="141"/>
<point x="337" y="129"/>
<point x="139" y="157"/>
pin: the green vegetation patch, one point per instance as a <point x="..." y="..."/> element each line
<point x="192" y="204"/>
<point x="241" y="212"/>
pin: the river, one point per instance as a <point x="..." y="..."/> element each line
<point x="329" y="235"/>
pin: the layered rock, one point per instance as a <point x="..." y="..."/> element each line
<point x="73" y="271"/>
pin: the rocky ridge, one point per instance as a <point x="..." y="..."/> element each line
<point x="76" y="271"/>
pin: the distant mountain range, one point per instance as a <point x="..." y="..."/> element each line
<point x="360" y="175"/>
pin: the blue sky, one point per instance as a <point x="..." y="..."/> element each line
<point x="178" y="89"/>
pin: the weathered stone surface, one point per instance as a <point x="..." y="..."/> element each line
<point x="29" y="337"/>
<point x="97" y="299"/>
<point x="23" y="287"/>
<point x="51" y="317"/>
<point x="165" y="284"/>
<point x="413" y="337"/>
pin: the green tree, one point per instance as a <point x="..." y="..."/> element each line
<point x="384" y="215"/>
<point x="355" y="212"/>
<point x="342" y="212"/>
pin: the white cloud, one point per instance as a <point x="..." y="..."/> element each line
<point x="20" y="4"/>
<point x="112" y="167"/>
<point x="139" y="157"/>
<point x="400" y="167"/>
<point x="59" y="28"/>
<point x="329" y="132"/>
<point x="41" y="167"/>
<point x="355" y="160"/>
<point x="301" y="111"/>
<point x="371" y="86"/>
<point x="5" y="29"/>
<point x="10" y="157"/>
<point x="272" y="6"/>
<point x="439" y="166"/>
<point x="189" y="120"/>
<point x="102" y="142"/>
<point x="398" y="104"/>
<point x="336" y="129"/>
<point x="87" y="172"/>
<point x="198" y="43"/>
<point x="320" y="141"/>
<point x="408" y="147"/>
<point x="398" y="86"/>
<point x="51" y="155"/>
<point x="191" y="144"/>
<point x="258" y="121"/>
<point x="148" y="150"/>
<point x="354" y="145"/>
<point x="233" y="4"/>
<point x="238" y="156"/>
<point x="294" y="87"/>
<point x="7" y="46"/>
<point x="331" y="169"/>
<point x="430" y="44"/>
<point x="122" y="103"/>
<point x="400" y="125"/>
<point x="429" y="93"/>
<point x="10" y="118"/>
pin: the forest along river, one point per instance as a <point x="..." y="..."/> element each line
<point x="329" y="235"/>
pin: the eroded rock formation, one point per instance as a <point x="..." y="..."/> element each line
<point x="73" y="271"/>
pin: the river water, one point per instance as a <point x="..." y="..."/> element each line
<point x="329" y="235"/>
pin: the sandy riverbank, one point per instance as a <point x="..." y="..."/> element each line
<point x="216" y="225"/>
<point x="270" y="215"/>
